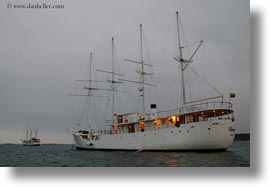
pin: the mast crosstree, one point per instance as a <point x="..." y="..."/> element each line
<point x="113" y="81"/>
<point x="141" y="72"/>
<point x="184" y="62"/>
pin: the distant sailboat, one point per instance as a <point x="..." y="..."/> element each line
<point x="29" y="139"/>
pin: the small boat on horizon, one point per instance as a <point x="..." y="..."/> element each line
<point x="29" y="139"/>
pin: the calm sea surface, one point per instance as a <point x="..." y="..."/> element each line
<point x="46" y="155"/>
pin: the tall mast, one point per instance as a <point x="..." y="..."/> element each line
<point x="181" y="60"/>
<point x="113" y="81"/>
<point x="90" y="72"/>
<point x="185" y="63"/>
<point x="142" y="73"/>
<point x="89" y="92"/>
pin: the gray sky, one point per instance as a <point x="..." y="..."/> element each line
<point x="42" y="52"/>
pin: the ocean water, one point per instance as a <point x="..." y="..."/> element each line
<point x="59" y="155"/>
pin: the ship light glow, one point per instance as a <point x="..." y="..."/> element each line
<point x="173" y="118"/>
<point x="158" y="121"/>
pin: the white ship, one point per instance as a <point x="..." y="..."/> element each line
<point x="31" y="140"/>
<point x="205" y="124"/>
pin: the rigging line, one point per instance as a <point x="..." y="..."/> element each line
<point x="106" y="108"/>
<point x="152" y="78"/>
<point x="94" y="113"/>
<point x="102" y="45"/>
<point x="196" y="89"/>
<point x="205" y="80"/>
<point x="149" y="58"/>
<point x="188" y="45"/>
<point x="77" y="111"/>
<point x="211" y="69"/>
<point x="146" y="47"/>
<point x="117" y="59"/>
<point x="135" y="101"/>
<point x="73" y="113"/>
<point x="88" y="117"/>
<point x="186" y="40"/>
<point x="83" y="110"/>
<point x="131" y="97"/>
<point x="175" y="91"/>
<point x="202" y="64"/>
<point x="203" y="73"/>
<point x="179" y="88"/>
<point x="189" y="80"/>
<point x="201" y="89"/>
<point x="124" y="54"/>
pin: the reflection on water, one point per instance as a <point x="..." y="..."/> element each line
<point x="175" y="161"/>
<point x="165" y="159"/>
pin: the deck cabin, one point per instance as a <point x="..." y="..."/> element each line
<point x="136" y="122"/>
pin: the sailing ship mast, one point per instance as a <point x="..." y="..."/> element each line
<point x="90" y="89"/>
<point x="142" y="68"/>
<point x="141" y="72"/>
<point x="184" y="62"/>
<point x="89" y="92"/>
<point x="181" y="59"/>
<point x="113" y="82"/>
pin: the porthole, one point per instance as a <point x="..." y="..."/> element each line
<point x="209" y="129"/>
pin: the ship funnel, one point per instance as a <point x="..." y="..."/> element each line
<point x="153" y="108"/>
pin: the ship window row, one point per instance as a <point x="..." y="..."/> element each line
<point x="160" y="123"/>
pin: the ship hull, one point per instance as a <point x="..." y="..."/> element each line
<point x="31" y="144"/>
<point x="207" y="135"/>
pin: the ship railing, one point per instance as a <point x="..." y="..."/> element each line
<point x="194" y="108"/>
<point x="173" y="112"/>
<point x="158" y="127"/>
<point x="147" y="127"/>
